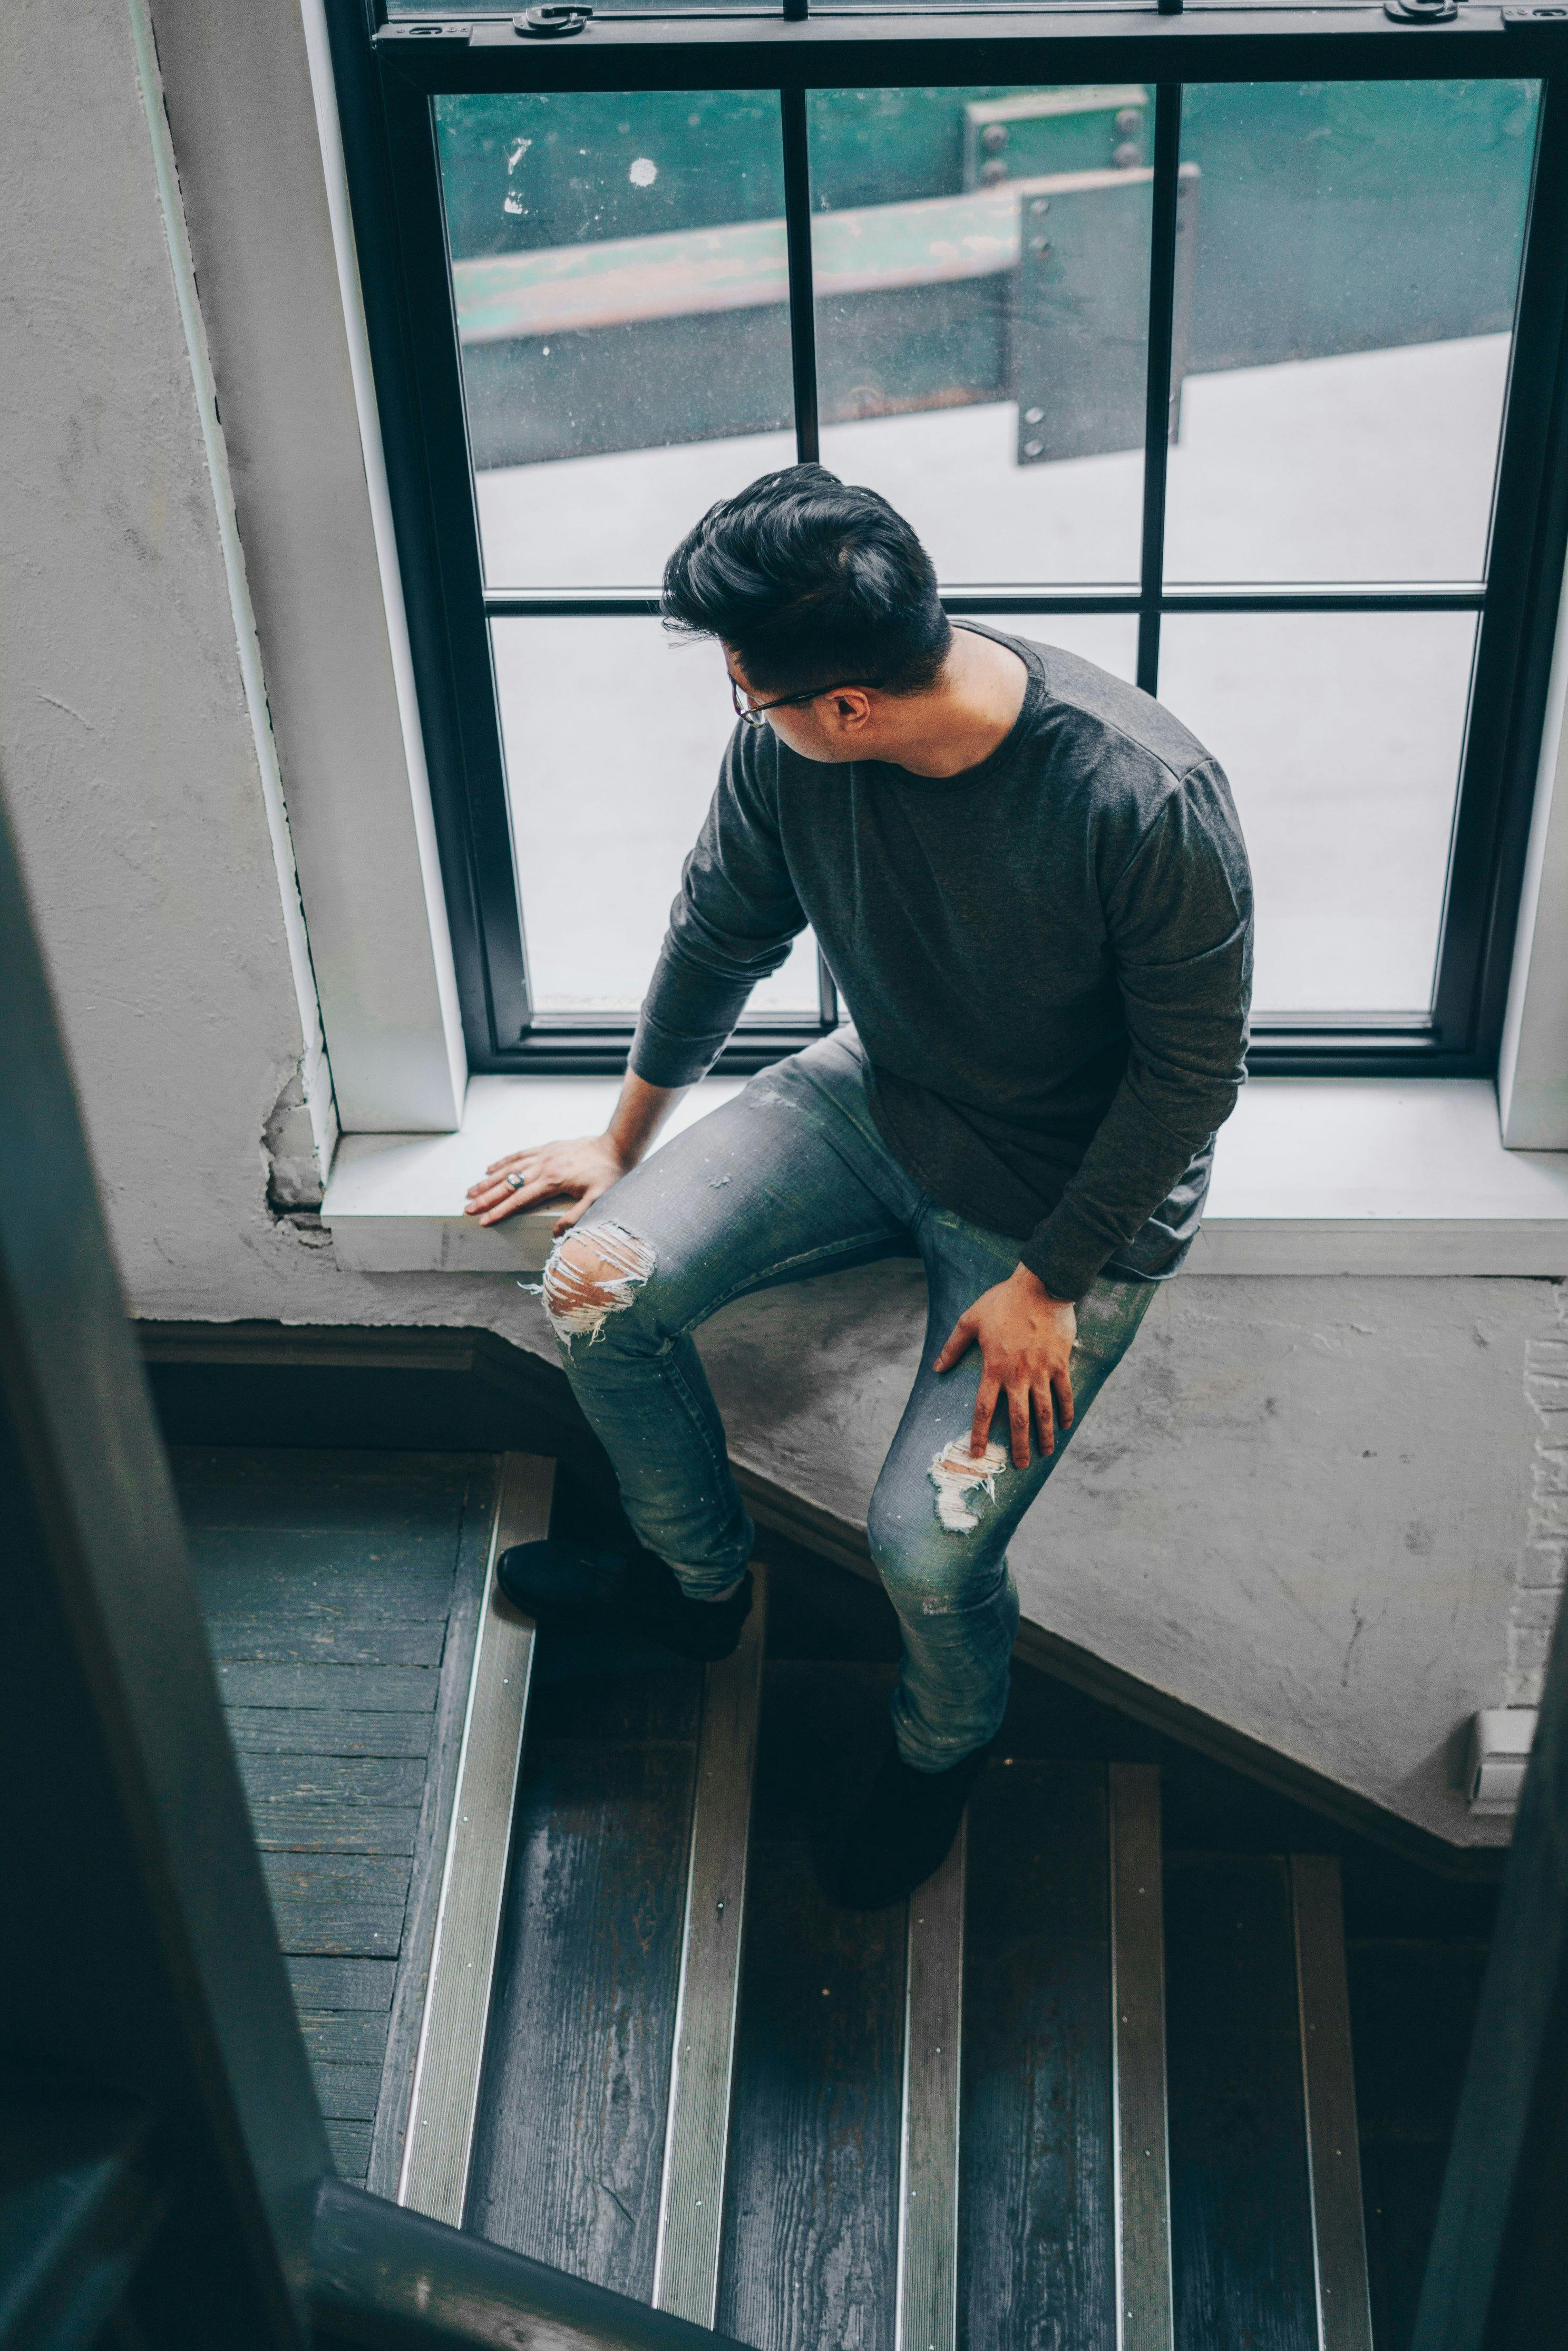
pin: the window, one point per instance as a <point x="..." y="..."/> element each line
<point x="1241" y="385"/>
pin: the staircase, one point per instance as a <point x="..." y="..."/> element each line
<point x="1066" y="2099"/>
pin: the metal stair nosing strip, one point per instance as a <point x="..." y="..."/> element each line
<point x="1328" y="2085"/>
<point x="927" y="2305"/>
<point x="444" y="2102"/>
<point x="702" y="2066"/>
<point x="1145" y="2301"/>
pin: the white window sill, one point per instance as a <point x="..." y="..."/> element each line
<point x="1311" y="1175"/>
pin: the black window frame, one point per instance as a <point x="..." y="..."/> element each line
<point x="389" y="74"/>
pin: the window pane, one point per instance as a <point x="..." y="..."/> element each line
<point x="1110" y="640"/>
<point x="613" y="737"/>
<point x="619" y="268"/>
<point x="981" y="261"/>
<point x="1342" y="734"/>
<point x="1353" y="250"/>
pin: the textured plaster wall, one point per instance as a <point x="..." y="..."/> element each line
<point x="127" y="749"/>
<point x="1332" y="1513"/>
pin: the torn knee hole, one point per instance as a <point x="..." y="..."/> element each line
<point x="592" y="1274"/>
<point x="956" y="1473"/>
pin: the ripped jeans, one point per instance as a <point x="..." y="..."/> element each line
<point x="790" y="1179"/>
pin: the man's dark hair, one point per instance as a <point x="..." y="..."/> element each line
<point x="813" y="582"/>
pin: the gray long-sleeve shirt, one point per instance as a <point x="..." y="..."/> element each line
<point x="1048" y="959"/>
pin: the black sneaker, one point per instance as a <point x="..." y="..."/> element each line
<point x="904" y="1830"/>
<point x="572" y="1588"/>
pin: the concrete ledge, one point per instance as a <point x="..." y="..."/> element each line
<point x="1312" y="1175"/>
<point x="395" y="1201"/>
<point x="357" y="1387"/>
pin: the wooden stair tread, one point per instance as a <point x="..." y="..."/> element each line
<point x="740" y="2121"/>
<point x="1240" y="2182"/>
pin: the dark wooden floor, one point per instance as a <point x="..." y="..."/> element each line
<point x="342" y="1593"/>
<point x="1241" y="2200"/>
<point x="341" y="1589"/>
<point x="569" y="2140"/>
<point x="1037" y="2260"/>
<point x="1413" y="2003"/>
<point x="812" y="2194"/>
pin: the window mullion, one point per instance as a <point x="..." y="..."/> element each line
<point x="1161" y="333"/>
<point x="1513" y="653"/>
<point x="400" y="231"/>
<point x="802" y="299"/>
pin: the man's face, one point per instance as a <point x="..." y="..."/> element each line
<point x="832" y="727"/>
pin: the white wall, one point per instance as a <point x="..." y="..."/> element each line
<point x="146" y="796"/>
<point x="265" y="215"/>
<point x="1331" y="1513"/>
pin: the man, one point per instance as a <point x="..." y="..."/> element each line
<point x="1030" y="886"/>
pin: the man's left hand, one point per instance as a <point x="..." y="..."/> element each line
<point x="1025" y="1338"/>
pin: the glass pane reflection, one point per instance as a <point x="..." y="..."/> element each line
<point x="981" y="263"/>
<point x="1354" y="272"/>
<point x="600" y="832"/>
<point x="1342" y="736"/>
<point x="1110" y="640"/>
<point x="620" y="278"/>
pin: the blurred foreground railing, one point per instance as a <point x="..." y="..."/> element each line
<point x="390" y="2281"/>
<point x="164" y="2177"/>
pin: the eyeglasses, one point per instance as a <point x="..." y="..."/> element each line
<point x="750" y="714"/>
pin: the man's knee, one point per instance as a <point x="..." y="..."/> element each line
<point x="596" y="1272"/>
<point x="927" y="1569"/>
<point x="930" y="1517"/>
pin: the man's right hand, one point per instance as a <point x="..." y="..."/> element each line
<point x="578" y="1171"/>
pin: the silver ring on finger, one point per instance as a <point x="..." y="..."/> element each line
<point x="517" y="1182"/>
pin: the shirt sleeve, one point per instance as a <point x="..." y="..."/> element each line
<point x="1180" y="925"/>
<point x="733" y="922"/>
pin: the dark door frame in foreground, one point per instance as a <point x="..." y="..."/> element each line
<point x="389" y="74"/>
<point x="164" y="2175"/>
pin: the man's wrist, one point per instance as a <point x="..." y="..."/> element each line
<point x="1028" y="1280"/>
<point x="637" y="1116"/>
<point x="626" y="1149"/>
